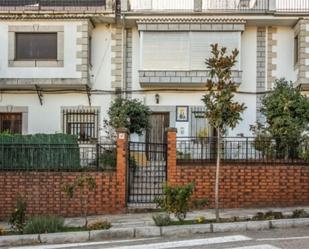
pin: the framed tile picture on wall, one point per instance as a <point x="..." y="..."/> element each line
<point x="182" y="113"/>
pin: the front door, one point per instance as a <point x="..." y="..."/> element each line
<point x="159" y="121"/>
<point x="156" y="135"/>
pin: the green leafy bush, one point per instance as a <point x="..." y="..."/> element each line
<point x="176" y="200"/>
<point x="162" y="220"/>
<point x="99" y="225"/>
<point x="300" y="213"/>
<point x="17" y="218"/>
<point x="44" y="224"/>
<point x="270" y="215"/>
<point x="128" y="113"/>
<point x="39" y="151"/>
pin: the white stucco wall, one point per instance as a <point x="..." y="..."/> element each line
<point x="70" y="50"/>
<point x="47" y="118"/>
<point x="285" y="54"/>
<point x="248" y="66"/>
<point x="100" y="73"/>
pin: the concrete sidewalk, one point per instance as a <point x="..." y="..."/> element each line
<point x="140" y="225"/>
<point x="130" y="220"/>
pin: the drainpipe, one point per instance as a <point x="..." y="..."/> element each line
<point x="124" y="55"/>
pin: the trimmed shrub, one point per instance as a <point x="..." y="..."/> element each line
<point x="44" y="224"/>
<point x="162" y="220"/>
<point x="39" y="152"/>
<point x="176" y="200"/>
<point x="99" y="225"/>
<point x="300" y="213"/>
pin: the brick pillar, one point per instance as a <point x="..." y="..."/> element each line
<point x="121" y="174"/>
<point x="171" y="156"/>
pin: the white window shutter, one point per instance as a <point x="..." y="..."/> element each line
<point x="201" y="46"/>
<point x="166" y="51"/>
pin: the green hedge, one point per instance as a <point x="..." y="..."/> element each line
<point x="39" y="152"/>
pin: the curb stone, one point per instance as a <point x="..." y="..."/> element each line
<point x="148" y="231"/>
<point x="186" y="230"/>
<point x="229" y="227"/>
<point x="19" y="240"/>
<point x="288" y="223"/>
<point x="69" y="237"/>
<point x="258" y="225"/>
<point x="112" y="233"/>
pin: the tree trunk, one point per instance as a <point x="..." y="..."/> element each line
<point x="217" y="176"/>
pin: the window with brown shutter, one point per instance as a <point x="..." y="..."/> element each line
<point x="36" y="46"/>
<point x="11" y="122"/>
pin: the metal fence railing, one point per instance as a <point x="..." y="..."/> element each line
<point x="52" y="4"/>
<point x="57" y="157"/>
<point x="237" y="6"/>
<point x="197" y="150"/>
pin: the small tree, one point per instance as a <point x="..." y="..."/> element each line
<point x="176" y="200"/>
<point x="129" y="113"/>
<point x="221" y="110"/>
<point x="286" y="112"/>
<point x="83" y="184"/>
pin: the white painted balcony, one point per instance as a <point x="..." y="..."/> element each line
<point x="249" y="6"/>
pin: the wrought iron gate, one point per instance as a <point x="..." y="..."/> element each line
<point x="147" y="171"/>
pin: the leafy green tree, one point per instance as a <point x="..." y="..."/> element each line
<point x="129" y="113"/>
<point x="286" y="112"/>
<point x="221" y="110"/>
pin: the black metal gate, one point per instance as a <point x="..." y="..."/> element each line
<point x="147" y="171"/>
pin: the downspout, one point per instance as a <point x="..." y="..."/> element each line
<point x="124" y="56"/>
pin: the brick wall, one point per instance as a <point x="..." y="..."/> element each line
<point x="241" y="185"/>
<point x="245" y="186"/>
<point x="44" y="195"/>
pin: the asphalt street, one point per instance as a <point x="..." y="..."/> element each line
<point x="270" y="239"/>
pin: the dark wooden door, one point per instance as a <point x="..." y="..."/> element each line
<point x="156" y="135"/>
<point x="159" y="122"/>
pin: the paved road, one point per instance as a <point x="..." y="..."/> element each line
<point x="271" y="239"/>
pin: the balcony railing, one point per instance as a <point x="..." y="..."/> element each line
<point x="249" y="6"/>
<point x="69" y="5"/>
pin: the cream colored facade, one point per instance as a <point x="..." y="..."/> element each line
<point x="153" y="50"/>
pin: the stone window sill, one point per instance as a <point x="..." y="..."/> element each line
<point x="36" y="63"/>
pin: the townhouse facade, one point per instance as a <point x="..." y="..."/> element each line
<point x="62" y="64"/>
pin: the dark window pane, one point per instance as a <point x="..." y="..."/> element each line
<point x="36" y="46"/>
<point x="83" y="124"/>
<point x="11" y="122"/>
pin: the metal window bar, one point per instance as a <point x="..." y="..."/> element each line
<point x="82" y="123"/>
<point x="203" y="150"/>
